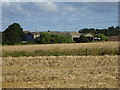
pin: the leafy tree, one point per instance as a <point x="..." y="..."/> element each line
<point x="83" y="39"/>
<point x="13" y="34"/>
<point x="86" y="30"/>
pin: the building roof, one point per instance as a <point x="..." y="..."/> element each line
<point x="75" y="34"/>
<point x="65" y="33"/>
<point x="25" y="32"/>
<point x="87" y="34"/>
<point x="35" y="33"/>
<point x="61" y="33"/>
<point x="54" y="32"/>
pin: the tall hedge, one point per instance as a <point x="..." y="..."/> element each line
<point x="48" y="38"/>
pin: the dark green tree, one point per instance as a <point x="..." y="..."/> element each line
<point x="13" y="34"/>
<point x="86" y="30"/>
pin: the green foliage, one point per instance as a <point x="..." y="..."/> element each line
<point x="64" y="52"/>
<point x="13" y="34"/>
<point x="86" y="30"/>
<point x="102" y="37"/>
<point x="83" y="39"/>
<point x="47" y="38"/>
<point x="111" y="31"/>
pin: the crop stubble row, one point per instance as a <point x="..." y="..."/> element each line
<point x="60" y="72"/>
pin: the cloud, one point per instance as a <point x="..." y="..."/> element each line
<point x="56" y="15"/>
<point x="60" y="0"/>
<point x="69" y="8"/>
<point x="47" y="6"/>
<point x="15" y="9"/>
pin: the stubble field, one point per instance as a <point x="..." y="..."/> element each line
<point x="60" y="71"/>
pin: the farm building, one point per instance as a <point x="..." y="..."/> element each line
<point x="30" y="36"/>
<point x="75" y="35"/>
<point x="88" y="35"/>
<point x="60" y="33"/>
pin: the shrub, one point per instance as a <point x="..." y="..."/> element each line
<point x="83" y="39"/>
<point x="47" y="38"/>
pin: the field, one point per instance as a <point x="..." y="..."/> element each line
<point x="60" y="71"/>
<point x="74" y="49"/>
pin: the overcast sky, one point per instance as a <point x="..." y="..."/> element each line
<point x="63" y="16"/>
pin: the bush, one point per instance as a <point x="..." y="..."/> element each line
<point x="83" y="39"/>
<point x="47" y="38"/>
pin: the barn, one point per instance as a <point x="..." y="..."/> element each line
<point x="75" y="36"/>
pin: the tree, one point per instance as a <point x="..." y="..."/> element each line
<point x="86" y="30"/>
<point x="111" y="28"/>
<point x="13" y="34"/>
<point x="83" y="39"/>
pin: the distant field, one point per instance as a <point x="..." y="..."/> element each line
<point x="61" y="65"/>
<point x="75" y="49"/>
<point x="113" y="38"/>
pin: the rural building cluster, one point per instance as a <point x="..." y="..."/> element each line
<point x="30" y="36"/>
<point x="15" y="34"/>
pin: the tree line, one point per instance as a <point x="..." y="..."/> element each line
<point x="14" y="35"/>
<point x="110" y="31"/>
